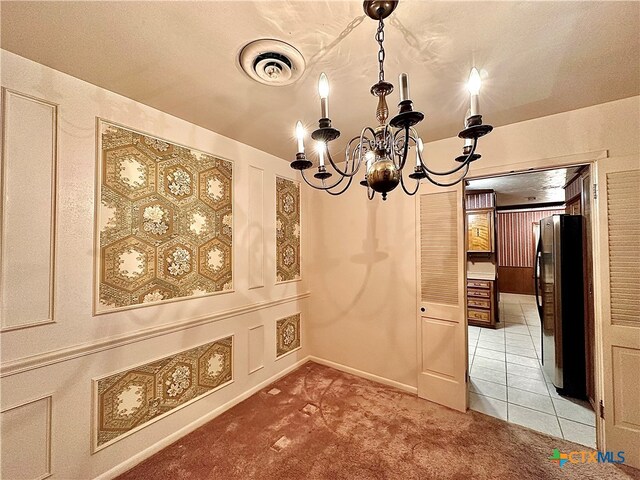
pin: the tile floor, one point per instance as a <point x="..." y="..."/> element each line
<point x="507" y="380"/>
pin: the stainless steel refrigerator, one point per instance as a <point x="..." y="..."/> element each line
<point x="560" y="300"/>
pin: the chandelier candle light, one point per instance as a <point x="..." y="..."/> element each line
<point x="383" y="150"/>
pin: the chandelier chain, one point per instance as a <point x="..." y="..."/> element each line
<point x="381" y="54"/>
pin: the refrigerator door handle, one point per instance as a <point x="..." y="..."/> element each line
<point x="536" y="276"/>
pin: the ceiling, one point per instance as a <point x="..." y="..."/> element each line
<point x="532" y="188"/>
<point x="538" y="58"/>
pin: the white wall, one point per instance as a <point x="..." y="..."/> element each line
<point x="61" y="358"/>
<point x="363" y="309"/>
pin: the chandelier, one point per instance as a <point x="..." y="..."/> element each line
<point x="383" y="150"/>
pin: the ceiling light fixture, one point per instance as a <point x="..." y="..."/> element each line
<point x="384" y="149"/>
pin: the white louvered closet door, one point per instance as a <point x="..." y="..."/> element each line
<point x="618" y="207"/>
<point x="442" y="326"/>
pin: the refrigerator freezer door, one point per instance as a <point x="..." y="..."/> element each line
<point x="549" y="250"/>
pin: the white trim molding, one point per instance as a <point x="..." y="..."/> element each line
<point x="369" y="376"/>
<point x="89" y="348"/>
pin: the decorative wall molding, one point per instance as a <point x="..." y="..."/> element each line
<point x="288" y="337"/>
<point x="47" y="432"/>
<point x="168" y="440"/>
<point x="164" y="221"/>
<point x="288" y="230"/>
<point x="256" y="348"/>
<point x="256" y="227"/>
<point x="539" y="163"/>
<point x="127" y="401"/>
<point x="34" y="127"/>
<point x="45" y="359"/>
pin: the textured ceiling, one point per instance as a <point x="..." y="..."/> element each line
<point x="527" y="188"/>
<point x="539" y="58"/>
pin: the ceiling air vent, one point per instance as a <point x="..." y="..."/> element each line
<point x="271" y="62"/>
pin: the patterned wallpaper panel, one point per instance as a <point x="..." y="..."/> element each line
<point x="287" y="230"/>
<point x="164" y="221"/>
<point x="515" y="236"/>
<point x="128" y="400"/>
<point x="287" y="335"/>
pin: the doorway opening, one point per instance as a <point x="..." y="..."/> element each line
<point x="530" y="314"/>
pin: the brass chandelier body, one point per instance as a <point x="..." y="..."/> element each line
<point x="383" y="150"/>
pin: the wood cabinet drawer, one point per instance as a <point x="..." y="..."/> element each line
<point x="479" y="284"/>
<point x="479" y="293"/>
<point x="483" y="316"/>
<point x="479" y="303"/>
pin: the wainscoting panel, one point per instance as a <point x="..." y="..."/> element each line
<point x="256" y="227"/>
<point x="26" y="440"/>
<point x="516" y="280"/>
<point x="256" y="348"/>
<point x="27" y="236"/>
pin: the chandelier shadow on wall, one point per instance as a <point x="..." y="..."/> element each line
<point x="384" y="149"/>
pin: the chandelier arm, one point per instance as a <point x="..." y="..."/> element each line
<point x="343" y="190"/>
<point x="348" y="148"/>
<point x="370" y="193"/>
<point x="405" y="148"/>
<point x="392" y="145"/>
<point x="355" y="168"/>
<point x="411" y="194"/>
<point x="318" y="187"/>
<point x="402" y="157"/>
<point x="450" y="184"/>
<point x="458" y="168"/>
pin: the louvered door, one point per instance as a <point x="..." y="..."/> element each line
<point x="442" y="332"/>
<point x="618" y="207"/>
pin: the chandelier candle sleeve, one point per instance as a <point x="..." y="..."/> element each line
<point x="300" y="136"/>
<point x="323" y="91"/>
<point x="419" y="147"/>
<point x="320" y="148"/>
<point x="474" y="90"/>
<point x="403" y="80"/>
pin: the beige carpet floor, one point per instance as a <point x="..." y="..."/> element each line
<point x="320" y="423"/>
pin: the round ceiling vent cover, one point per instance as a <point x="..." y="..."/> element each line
<point x="271" y="62"/>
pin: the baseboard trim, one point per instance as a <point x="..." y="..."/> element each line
<point x="369" y="376"/>
<point x="166" y="441"/>
<point x="45" y="359"/>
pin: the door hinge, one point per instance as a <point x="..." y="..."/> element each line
<point x="466" y="376"/>
<point x="601" y="409"/>
<point x="595" y="191"/>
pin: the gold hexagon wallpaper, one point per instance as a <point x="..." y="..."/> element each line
<point x="287" y="230"/>
<point x="164" y="221"/>
<point x="287" y="335"/>
<point x="130" y="399"/>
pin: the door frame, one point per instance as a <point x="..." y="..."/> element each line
<point x="590" y="159"/>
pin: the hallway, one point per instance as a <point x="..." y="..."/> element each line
<point x="507" y="381"/>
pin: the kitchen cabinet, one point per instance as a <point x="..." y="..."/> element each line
<point x="482" y="301"/>
<point x="480" y="231"/>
